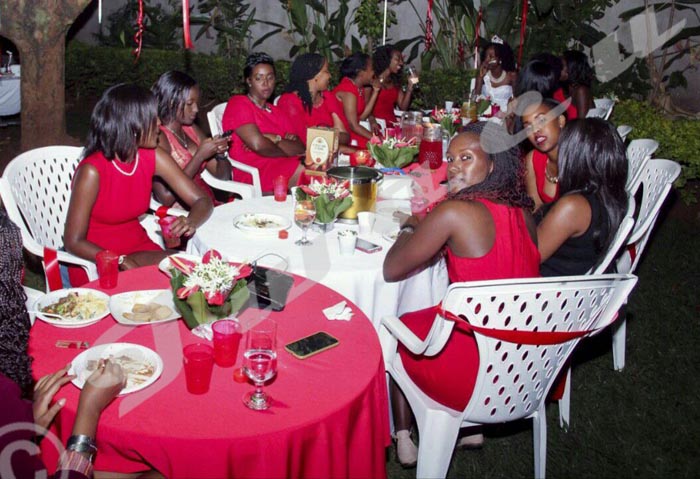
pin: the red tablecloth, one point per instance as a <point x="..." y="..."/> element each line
<point x="330" y="412"/>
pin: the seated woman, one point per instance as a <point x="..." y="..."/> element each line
<point x="557" y="66"/>
<point x="308" y="98"/>
<point x="182" y="139"/>
<point x="112" y="184"/>
<point x="388" y="66"/>
<point x="22" y="401"/>
<point x="356" y="73"/>
<point x="263" y="134"/>
<point x="487" y="232"/>
<point x="543" y="126"/>
<point x="576" y="230"/>
<point x="497" y="75"/>
<point x="537" y="76"/>
<point x="577" y="75"/>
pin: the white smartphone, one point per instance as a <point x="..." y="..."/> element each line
<point x="367" y="247"/>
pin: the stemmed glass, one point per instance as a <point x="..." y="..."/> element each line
<point x="304" y="215"/>
<point x="260" y="362"/>
<point x="412" y="75"/>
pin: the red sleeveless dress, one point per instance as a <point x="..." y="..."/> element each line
<point x="571" y="110"/>
<point x="449" y="376"/>
<point x="386" y="102"/>
<point x="123" y="197"/>
<point x="321" y="115"/>
<point x="346" y="85"/>
<point x="539" y="163"/>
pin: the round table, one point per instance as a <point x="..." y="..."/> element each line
<point x="329" y="416"/>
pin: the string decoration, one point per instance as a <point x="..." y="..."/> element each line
<point x="429" y="26"/>
<point x="138" y="36"/>
<point x="523" y="28"/>
<point x="476" y="37"/>
<point x="186" y="24"/>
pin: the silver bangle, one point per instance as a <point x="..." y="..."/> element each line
<point x="82" y="443"/>
<point x="407" y="229"/>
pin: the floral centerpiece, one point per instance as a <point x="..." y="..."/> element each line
<point x="483" y="105"/>
<point x="450" y="121"/>
<point x="393" y="152"/>
<point x="208" y="290"/>
<point x="330" y="196"/>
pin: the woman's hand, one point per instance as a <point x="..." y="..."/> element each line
<point x="183" y="226"/>
<point x="212" y="146"/>
<point x="44" y="391"/>
<point x="103" y="385"/>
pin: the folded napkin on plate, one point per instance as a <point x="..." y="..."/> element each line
<point x="340" y="311"/>
<point x="396" y="188"/>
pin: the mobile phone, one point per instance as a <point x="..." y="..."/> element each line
<point x="367" y="247"/>
<point x="227" y="134"/>
<point x="310" y="345"/>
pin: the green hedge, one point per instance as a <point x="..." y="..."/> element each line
<point x="679" y="139"/>
<point x="437" y="86"/>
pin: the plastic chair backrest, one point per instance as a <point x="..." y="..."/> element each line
<point x="656" y="181"/>
<point x="606" y="104"/>
<point x="214" y="116"/>
<point x="618" y="241"/>
<point x="639" y="152"/>
<point x="597" y="113"/>
<point x="40" y="186"/>
<point x="514" y="378"/>
<point x="623" y="131"/>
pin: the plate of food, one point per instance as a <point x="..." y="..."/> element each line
<point x="391" y="236"/>
<point x="261" y="223"/>
<point x="72" y="307"/>
<point x="137" y="308"/>
<point x="142" y="365"/>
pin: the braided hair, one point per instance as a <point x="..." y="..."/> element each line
<point x="15" y="362"/>
<point x="304" y="68"/>
<point x="506" y="182"/>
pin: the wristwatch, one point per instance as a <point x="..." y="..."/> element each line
<point x="122" y="258"/>
<point x="277" y="139"/>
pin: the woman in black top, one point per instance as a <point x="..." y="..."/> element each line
<point x="578" y="228"/>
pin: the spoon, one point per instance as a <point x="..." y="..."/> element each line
<point x="51" y="315"/>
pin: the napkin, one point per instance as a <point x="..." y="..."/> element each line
<point x="396" y="188"/>
<point x="340" y="311"/>
<point x="204" y="331"/>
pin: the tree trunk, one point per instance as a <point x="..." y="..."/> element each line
<point x="38" y="28"/>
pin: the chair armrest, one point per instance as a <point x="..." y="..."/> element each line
<point x="401" y="332"/>
<point x="89" y="267"/>
<point x="246" y="191"/>
<point x="252" y="171"/>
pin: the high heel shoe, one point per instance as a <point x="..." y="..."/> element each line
<point x="406" y="450"/>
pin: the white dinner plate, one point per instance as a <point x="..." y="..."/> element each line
<point x="124" y="302"/>
<point x="391" y="236"/>
<point x="261" y="223"/>
<point x="133" y="358"/>
<point x="94" y="315"/>
<point x="165" y="265"/>
<point x="389" y="207"/>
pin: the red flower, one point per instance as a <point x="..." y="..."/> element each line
<point x="212" y="253"/>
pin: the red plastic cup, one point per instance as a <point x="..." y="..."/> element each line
<point x="171" y="241"/>
<point x="198" y="360"/>
<point x="280" y="185"/>
<point x="107" y="268"/>
<point x="430" y="152"/>
<point x="227" y="337"/>
<point x="419" y="207"/>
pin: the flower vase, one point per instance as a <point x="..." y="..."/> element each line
<point x="324" y="227"/>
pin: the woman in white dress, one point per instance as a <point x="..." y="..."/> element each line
<point x="497" y="75"/>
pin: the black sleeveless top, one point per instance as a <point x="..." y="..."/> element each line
<point x="578" y="255"/>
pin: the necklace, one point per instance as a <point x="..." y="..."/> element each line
<point x="181" y="139"/>
<point x="136" y="165"/>
<point x="499" y="79"/>
<point x="263" y="108"/>
<point x="551" y="179"/>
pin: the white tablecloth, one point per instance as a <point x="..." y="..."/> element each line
<point x="10" y="99"/>
<point x="357" y="277"/>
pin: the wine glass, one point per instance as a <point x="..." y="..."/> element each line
<point x="260" y="362"/>
<point x="412" y="75"/>
<point x="304" y="215"/>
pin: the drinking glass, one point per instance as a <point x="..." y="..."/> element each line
<point x="412" y="75"/>
<point x="260" y="362"/>
<point x="304" y="215"/>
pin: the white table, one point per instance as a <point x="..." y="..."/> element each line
<point x="10" y="97"/>
<point x="357" y="277"/>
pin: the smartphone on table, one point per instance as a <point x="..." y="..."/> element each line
<point x="367" y="246"/>
<point x="310" y="345"/>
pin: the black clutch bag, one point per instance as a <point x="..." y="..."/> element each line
<point x="268" y="288"/>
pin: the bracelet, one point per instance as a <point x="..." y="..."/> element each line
<point x="407" y="229"/>
<point x="74" y="461"/>
<point x="81" y="443"/>
<point x="277" y="139"/>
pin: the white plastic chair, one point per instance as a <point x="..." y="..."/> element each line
<point x="623" y="131"/>
<point x="513" y="378"/>
<point x="243" y="189"/>
<point x="638" y="154"/>
<point x="35" y="190"/>
<point x="606" y="104"/>
<point x="616" y="245"/>
<point x="33" y="295"/>
<point x="656" y="180"/>
<point x="597" y="113"/>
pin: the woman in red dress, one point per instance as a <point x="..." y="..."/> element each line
<point x="182" y="139"/>
<point x="541" y="164"/>
<point x="112" y="184"/>
<point x="577" y="75"/>
<point x="487" y="232"/>
<point x="388" y="65"/>
<point x="357" y="73"/>
<point x="307" y="97"/>
<point x="263" y="134"/>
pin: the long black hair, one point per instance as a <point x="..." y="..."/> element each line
<point x="15" y="362"/>
<point x="537" y="76"/>
<point x="172" y="90"/>
<point x="381" y="59"/>
<point x="506" y="182"/>
<point x="503" y="52"/>
<point x="592" y="160"/>
<point x="303" y="69"/>
<point x="353" y="65"/>
<point x="122" y="118"/>
<point x="552" y="60"/>
<point x="580" y="72"/>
